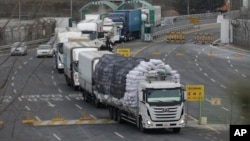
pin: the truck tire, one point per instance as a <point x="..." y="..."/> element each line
<point x="119" y="117"/>
<point x="111" y="113"/>
<point x="176" y="130"/>
<point x="142" y="129"/>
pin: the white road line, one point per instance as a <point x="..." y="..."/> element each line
<point x="213" y="80"/>
<point x="37" y="118"/>
<point x="78" y="106"/>
<point x="119" y="135"/>
<point x="242" y="117"/>
<point x="231" y="65"/>
<point x="55" y="83"/>
<point x="93" y="116"/>
<point x="19" y="98"/>
<point x="59" y="90"/>
<point x="223" y="86"/>
<point x="227" y="57"/>
<point x="196" y="56"/>
<point x="15" y="91"/>
<point x="27" y="108"/>
<point x="67" y="98"/>
<point x="199" y="53"/>
<point x="31" y="58"/>
<point x="166" y="55"/>
<point x="236" y="93"/>
<point x="225" y="108"/>
<point x="208" y="100"/>
<point x="13" y="78"/>
<point x="52" y="77"/>
<point x="236" y="70"/>
<point x="50" y="104"/>
<point x="24" y="62"/>
<point x="56" y="137"/>
<point x="200" y="69"/>
<point x="197" y="64"/>
<point x="203" y="49"/>
<point x="20" y="67"/>
<point x="205" y="74"/>
<point x="15" y="72"/>
<point x="243" y="75"/>
<point x="228" y="61"/>
<point x="52" y="72"/>
<point x="12" y="84"/>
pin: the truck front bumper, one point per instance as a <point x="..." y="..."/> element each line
<point x="148" y="124"/>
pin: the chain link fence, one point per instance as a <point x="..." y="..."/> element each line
<point x="27" y="32"/>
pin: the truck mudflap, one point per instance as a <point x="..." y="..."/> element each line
<point x="149" y="124"/>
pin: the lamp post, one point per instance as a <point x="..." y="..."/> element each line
<point x="71" y="8"/>
<point x="19" y="10"/>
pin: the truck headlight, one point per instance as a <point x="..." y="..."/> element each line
<point x="182" y="122"/>
<point x="149" y="122"/>
<point x="60" y="65"/>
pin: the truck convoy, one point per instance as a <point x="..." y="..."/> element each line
<point x="112" y="30"/>
<point x="145" y="92"/>
<point x="71" y="52"/>
<point x="131" y="23"/>
<point x="60" y="39"/>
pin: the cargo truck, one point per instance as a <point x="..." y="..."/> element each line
<point x="60" y="39"/>
<point x="71" y="52"/>
<point x="131" y="19"/>
<point x="147" y="93"/>
<point x="112" y="30"/>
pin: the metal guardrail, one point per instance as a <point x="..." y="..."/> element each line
<point x="5" y="47"/>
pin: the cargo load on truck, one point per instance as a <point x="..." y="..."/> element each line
<point x="117" y="76"/>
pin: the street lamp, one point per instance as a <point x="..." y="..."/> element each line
<point x="19" y="10"/>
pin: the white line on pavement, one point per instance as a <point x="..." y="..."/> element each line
<point x="242" y="117"/>
<point x="225" y="108"/>
<point x="52" y="77"/>
<point x="19" y="98"/>
<point x="68" y="98"/>
<point x="243" y="75"/>
<point x="213" y="80"/>
<point x="205" y="74"/>
<point x="93" y="116"/>
<point x="27" y="108"/>
<point x="236" y="70"/>
<point x="231" y="65"/>
<point x="200" y="69"/>
<point x="223" y="86"/>
<point x="59" y="90"/>
<point x="54" y="83"/>
<point x="56" y="137"/>
<point x="15" y="91"/>
<point x="121" y="136"/>
<point x="37" y="118"/>
<point x="24" y="62"/>
<point x="78" y="106"/>
<point x="13" y="78"/>
<point x="12" y="84"/>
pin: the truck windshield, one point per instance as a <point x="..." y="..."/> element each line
<point x="164" y="95"/>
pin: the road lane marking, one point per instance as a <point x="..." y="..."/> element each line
<point x="12" y="84"/>
<point x="59" y="90"/>
<point x="231" y="65"/>
<point x="242" y="117"/>
<point x="19" y="98"/>
<point x="243" y="75"/>
<point x="212" y="80"/>
<point x="52" y="77"/>
<point x="197" y="64"/>
<point x="223" y="86"/>
<point x="68" y="98"/>
<point x="93" y="116"/>
<point x="31" y="58"/>
<point x="228" y="61"/>
<point x="78" y="106"/>
<point x="25" y="62"/>
<point x="27" y="108"/>
<point x="15" y="91"/>
<point x="55" y="83"/>
<point x="205" y="74"/>
<point x="13" y="78"/>
<point x="37" y="118"/>
<point x="225" y="109"/>
<point x="15" y="72"/>
<point x="20" y="67"/>
<point x="52" y="71"/>
<point x="236" y="93"/>
<point x="236" y="70"/>
<point x="200" y="69"/>
<point x="56" y="137"/>
<point x="208" y="100"/>
<point x="50" y="104"/>
<point x="119" y="135"/>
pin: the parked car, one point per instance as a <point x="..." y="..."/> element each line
<point x="18" y="48"/>
<point x="44" y="50"/>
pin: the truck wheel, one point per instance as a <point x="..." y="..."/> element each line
<point x="119" y="116"/>
<point x="111" y="113"/>
<point x="142" y="129"/>
<point x="176" y="130"/>
<point x="97" y="103"/>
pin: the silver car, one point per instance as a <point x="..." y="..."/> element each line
<point x="18" y="48"/>
<point x="44" y="50"/>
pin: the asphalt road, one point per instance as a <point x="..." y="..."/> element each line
<point x="32" y="89"/>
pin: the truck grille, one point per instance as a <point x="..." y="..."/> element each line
<point x="165" y="113"/>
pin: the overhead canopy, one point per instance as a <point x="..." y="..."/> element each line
<point x="86" y="7"/>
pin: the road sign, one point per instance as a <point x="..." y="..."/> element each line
<point x="195" y="92"/>
<point x="215" y="101"/>
<point x="123" y="51"/>
<point x="193" y="20"/>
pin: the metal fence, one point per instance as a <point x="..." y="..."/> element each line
<point x="27" y="32"/>
<point x="241" y="34"/>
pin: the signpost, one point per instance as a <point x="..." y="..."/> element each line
<point x="123" y="51"/>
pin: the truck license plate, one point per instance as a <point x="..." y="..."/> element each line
<point x="165" y="124"/>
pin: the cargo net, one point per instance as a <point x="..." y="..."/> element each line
<point x="118" y="76"/>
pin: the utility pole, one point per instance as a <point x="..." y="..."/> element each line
<point x="71" y="8"/>
<point x="188" y="7"/>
